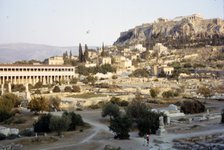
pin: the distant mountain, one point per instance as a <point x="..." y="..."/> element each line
<point x="23" y="51"/>
<point x="180" y="32"/>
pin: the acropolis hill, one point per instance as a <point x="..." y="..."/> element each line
<point x="180" y="32"/>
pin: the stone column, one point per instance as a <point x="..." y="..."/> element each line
<point x="51" y="80"/>
<point x="2" y="89"/>
<point x="9" y="88"/>
<point x="161" y="130"/>
<point x="27" y="93"/>
<point x="44" y="80"/>
<point x="3" y="80"/>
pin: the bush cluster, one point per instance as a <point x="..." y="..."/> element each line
<point x="56" y="89"/>
<point x="137" y="113"/>
<point x="118" y="101"/>
<point x="7" y="103"/>
<point x="67" y="122"/>
<point x="93" y="70"/>
<point x="140" y="73"/>
<point x="192" y="107"/>
<point x="170" y="93"/>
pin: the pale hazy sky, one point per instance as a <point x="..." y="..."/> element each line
<point x="65" y="22"/>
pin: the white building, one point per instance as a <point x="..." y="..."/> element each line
<point x="56" y="60"/>
<point x="105" y="60"/>
<point x="160" y="49"/>
<point x="138" y="47"/>
<point x="47" y="74"/>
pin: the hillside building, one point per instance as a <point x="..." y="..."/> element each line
<point x="56" y="60"/>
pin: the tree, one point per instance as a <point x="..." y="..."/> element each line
<point x="106" y="68"/>
<point x="18" y="87"/>
<point x="7" y="103"/>
<point x="167" y="94"/>
<point x="54" y="103"/>
<point x="73" y="80"/>
<point x="59" y="124"/>
<point x="56" y="89"/>
<point x="76" y="120"/>
<point x="206" y="92"/>
<point x="68" y="89"/>
<point x="136" y="109"/>
<point x="42" y="125"/>
<point x="111" y="110"/>
<point x="90" y="79"/>
<point x="148" y="121"/>
<point x="38" y="104"/>
<point x="70" y="55"/>
<point x="103" y="54"/>
<point x="154" y="92"/>
<point x="192" y="107"/>
<point x="81" y="56"/>
<point x="76" y="88"/>
<point x="86" y="56"/>
<point x="140" y="73"/>
<point x="38" y="85"/>
<point x="120" y="126"/>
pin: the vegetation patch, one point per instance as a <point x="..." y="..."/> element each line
<point x="87" y="95"/>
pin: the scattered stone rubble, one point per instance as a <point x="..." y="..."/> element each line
<point x="207" y="142"/>
<point x="11" y="146"/>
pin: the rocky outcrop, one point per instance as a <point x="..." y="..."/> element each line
<point x="188" y="31"/>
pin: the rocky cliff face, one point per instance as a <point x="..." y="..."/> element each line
<point x="189" y="31"/>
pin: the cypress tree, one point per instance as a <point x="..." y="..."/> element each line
<point x="86" y="53"/>
<point x="103" y="52"/>
<point x="80" y="53"/>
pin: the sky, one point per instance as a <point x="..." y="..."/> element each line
<point x="69" y="22"/>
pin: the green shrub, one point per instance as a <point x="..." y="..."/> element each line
<point x="76" y="89"/>
<point x="168" y="94"/>
<point x="94" y="106"/>
<point x="37" y="92"/>
<point x="18" y="87"/>
<point x="192" y="107"/>
<point x="111" y="110"/>
<point x="68" y="89"/>
<point x="119" y="102"/>
<point x="76" y="120"/>
<point x="56" y="89"/>
<point x="154" y="92"/>
<point x="114" y="77"/>
<point x="140" y="73"/>
<point x="73" y="80"/>
<point x="59" y="124"/>
<point x="2" y="136"/>
<point x="124" y="103"/>
<point x="54" y="103"/>
<point x="42" y="125"/>
<point x="12" y="136"/>
<point x="136" y="109"/>
<point x="27" y="132"/>
<point x="115" y="100"/>
<point x="148" y="121"/>
<point x="5" y="115"/>
<point x="38" y="85"/>
<point x="120" y="126"/>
